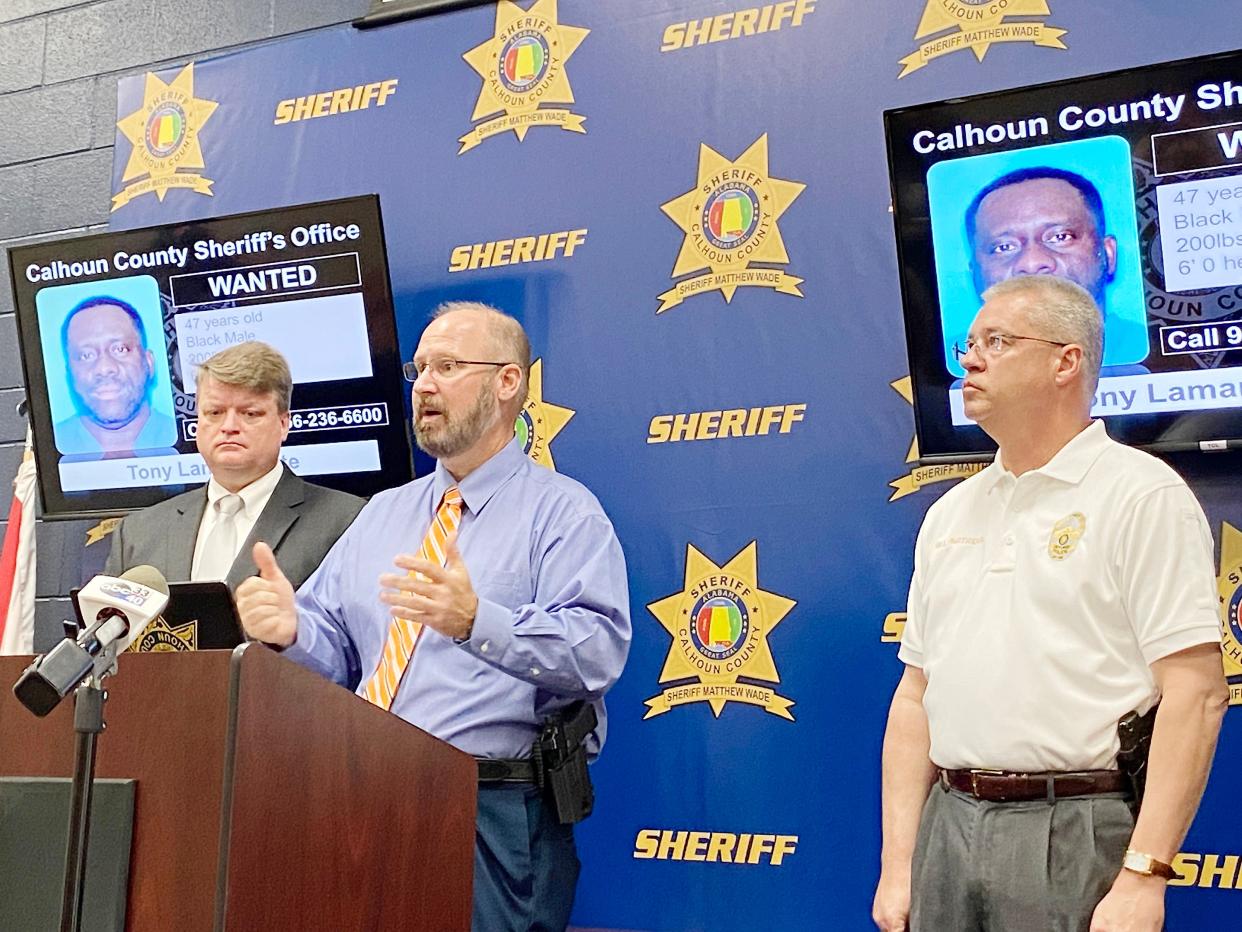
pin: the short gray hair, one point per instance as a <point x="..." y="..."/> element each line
<point x="1060" y="310"/>
<point x="509" y="340"/>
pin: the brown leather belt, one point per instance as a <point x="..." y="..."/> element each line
<point x="1001" y="786"/>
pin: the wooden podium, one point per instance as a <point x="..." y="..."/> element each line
<point x="267" y="797"/>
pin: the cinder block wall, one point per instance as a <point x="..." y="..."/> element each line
<point x="59" y="65"/>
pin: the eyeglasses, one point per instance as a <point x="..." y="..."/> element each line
<point x="443" y="368"/>
<point x="995" y="343"/>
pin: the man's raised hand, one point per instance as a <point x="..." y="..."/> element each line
<point x="265" y="602"/>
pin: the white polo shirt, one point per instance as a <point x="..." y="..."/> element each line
<point x="1038" y="603"/>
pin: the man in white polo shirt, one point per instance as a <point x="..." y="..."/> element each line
<point x="1061" y="588"/>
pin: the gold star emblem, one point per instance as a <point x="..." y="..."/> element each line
<point x="915" y="479"/>
<point x="1230" y="590"/>
<point x="979" y="24"/>
<point x="523" y="69"/>
<point x="164" y="135"/>
<point x="729" y="218"/>
<point x="720" y="622"/>
<point x="160" y="638"/>
<point x="920" y="476"/>
<point x="101" y="530"/>
<point x="540" y="421"/>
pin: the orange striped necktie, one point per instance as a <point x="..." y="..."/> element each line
<point x="403" y="633"/>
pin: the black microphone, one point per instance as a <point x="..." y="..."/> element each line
<point x="110" y="606"/>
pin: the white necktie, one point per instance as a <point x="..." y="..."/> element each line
<point x="220" y="548"/>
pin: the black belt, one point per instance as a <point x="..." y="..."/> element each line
<point x="1000" y="786"/>
<point x="499" y="770"/>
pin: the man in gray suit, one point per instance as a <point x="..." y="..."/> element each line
<point x="209" y="533"/>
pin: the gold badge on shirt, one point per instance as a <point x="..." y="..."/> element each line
<point x="1065" y="535"/>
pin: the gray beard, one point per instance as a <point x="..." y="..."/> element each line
<point x="458" y="434"/>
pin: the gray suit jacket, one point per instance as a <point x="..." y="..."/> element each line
<point x="300" y="522"/>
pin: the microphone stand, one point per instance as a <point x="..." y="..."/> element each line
<point x="88" y="722"/>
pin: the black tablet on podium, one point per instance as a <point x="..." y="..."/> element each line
<point x="199" y="616"/>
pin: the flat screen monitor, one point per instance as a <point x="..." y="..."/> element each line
<point x="113" y="326"/>
<point x="1128" y="183"/>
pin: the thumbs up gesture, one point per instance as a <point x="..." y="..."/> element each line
<point x="440" y="597"/>
<point x="265" y="602"/>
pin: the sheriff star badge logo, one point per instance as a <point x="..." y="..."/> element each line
<point x="164" y="134"/>
<point x="729" y="218"/>
<point x="523" y="70"/>
<point x="720" y="622"/>
<point x="540" y="421"/>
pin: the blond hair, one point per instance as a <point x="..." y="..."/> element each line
<point x="255" y="366"/>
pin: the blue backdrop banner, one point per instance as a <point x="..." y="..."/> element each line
<point x="687" y="205"/>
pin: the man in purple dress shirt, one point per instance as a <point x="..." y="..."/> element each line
<point x="529" y="615"/>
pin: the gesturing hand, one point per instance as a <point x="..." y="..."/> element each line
<point x="440" y="597"/>
<point x="265" y="602"/>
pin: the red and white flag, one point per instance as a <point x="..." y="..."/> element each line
<point x="17" y="563"/>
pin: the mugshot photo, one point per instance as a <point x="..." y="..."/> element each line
<point x="107" y="367"/>
<point x="1065" y="209"/>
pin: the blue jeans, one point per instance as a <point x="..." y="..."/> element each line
<point x="525" y="862"/>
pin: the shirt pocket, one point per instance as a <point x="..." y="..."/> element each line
<point x="505" y="588"/>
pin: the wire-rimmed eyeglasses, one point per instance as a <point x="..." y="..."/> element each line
<point x="443" y="368"/>
<point x="996" y="343"/>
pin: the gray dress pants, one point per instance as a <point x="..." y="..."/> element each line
<point x="1015" y="867"/>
